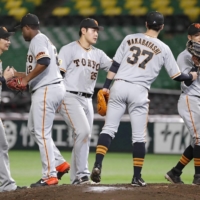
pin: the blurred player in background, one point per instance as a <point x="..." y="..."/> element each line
<point x="45" y="84"/>
<point x="136" y="65"/>
<point x="189" y="110"/>
<point x="6" y="181"/>
<point x="80" y="64"/>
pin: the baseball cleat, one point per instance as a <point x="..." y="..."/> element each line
<point x="173" y="176"/>
<point x="21" y="188"/>
<point x="81" y="181"/>
<point x="45" y="182"/>
<point x="196" y="180"/>
<point x="62" y="169"/>
<point x="138" y="182"/>
<point x="96" y="173"/>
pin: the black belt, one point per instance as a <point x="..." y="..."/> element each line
<point x="86" y="95"/>
<point x="46" y="85"/>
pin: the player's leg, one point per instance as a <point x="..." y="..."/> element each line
<point x="138" y="108"/>
<point x="115" y="109"/>
<point x="44" y="104"/>
<point x="74" y="115"/>
<point x="184" y="109"/>
<point x="7" y="182"/>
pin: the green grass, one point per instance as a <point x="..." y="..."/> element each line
<point x="117" y="167"/>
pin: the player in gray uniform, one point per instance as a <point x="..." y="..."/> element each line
<point x="6" y="181"/>
<point x="189" y="110"/>
<point x="47" y="89"/>
<point x="80" y="63"/>
<point x="136" y="65"/>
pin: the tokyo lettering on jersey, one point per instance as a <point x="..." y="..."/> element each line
<point x="82" y="66"/>
<point x="141" y="58"/>
<point x="41" y="47"/>
<point x="185" y="63"/>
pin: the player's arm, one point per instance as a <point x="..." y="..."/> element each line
<point x="186" y="77"/>
<point x="189" y="82"/>
<point x="41" y="65"/>
<point x="111" y="74"/>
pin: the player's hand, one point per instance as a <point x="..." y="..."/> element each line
<point x="106" y="90"/>
<point x="24" y="81"/>
<point x="194" y="75"/>
<point x="8" y="73"/>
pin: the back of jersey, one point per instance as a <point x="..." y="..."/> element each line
<point x="141" y="58"/>
<point x="41" y="47"/>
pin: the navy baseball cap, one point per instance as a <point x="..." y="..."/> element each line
<point x="4" y="32"/>
<point x="193" y="29"/>
<point x="155" y="18"/>
<point x="28" y="19"/>
<point x="90" y="23"/>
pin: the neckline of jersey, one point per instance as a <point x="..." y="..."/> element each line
<point x="83" y="46"/>
<point x="149" y="35"/>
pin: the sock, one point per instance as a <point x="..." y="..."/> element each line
<point x="196" y="154"/>
<point x="138" y="158"/>
<point x="186" y="157"/>
<point x="103" y="144"/>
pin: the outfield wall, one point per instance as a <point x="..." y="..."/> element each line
<point x="165" y="134"/>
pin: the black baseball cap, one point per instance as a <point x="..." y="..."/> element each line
<point x="4" y="32"/>
<point x="28" y="19"/>
<point x="90" y="23"/>
<point x="193" y="29"/>
<point x="155" y="18"/>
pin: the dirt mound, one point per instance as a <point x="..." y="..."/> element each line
<point x="106" y="192"/>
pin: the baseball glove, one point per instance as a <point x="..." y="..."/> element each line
<point x="16" y="84"/>
<point x="102" y="100"/>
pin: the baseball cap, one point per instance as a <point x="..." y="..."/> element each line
<point x="193" y="29"/>
<point x="28" y="19"/>
<point x="154" y="18"/>
<point x="90" y="23"/>
<point x="4" y="33"/>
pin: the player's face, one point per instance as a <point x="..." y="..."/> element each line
<point x="26" y="33"/>
<point x="4" y="44"/>
<point x="195" y="38"/>
<point x="91" y="35"/>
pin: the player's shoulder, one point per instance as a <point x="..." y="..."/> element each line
<point x="184" y="54"/>
<point x="69" y="46"/>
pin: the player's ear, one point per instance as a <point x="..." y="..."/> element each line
<point x="189" y="37"/>
<point x="83" y="30"/>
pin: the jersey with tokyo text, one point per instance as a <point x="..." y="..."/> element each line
<point x="141" y="58"/>
<point x="40" y="47"/>
<point x="81" y="66"/>
<point x="185" y="63"/>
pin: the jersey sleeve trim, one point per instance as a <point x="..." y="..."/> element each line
<point x="176" y="75"/>
<point x="41" y="55"/>
<point x="63" y="70"/>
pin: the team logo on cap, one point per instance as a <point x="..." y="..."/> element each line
<point x="197" y="26"/>
<point x="4" y="28"/>
<point x="96" y="22"/>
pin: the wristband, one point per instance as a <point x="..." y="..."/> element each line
<point x="107" y="83"/>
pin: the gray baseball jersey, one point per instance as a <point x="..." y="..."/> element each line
<point x="188" y="104"/>
<point x="6" y="181"/>
<point x="81" y="68"/>
<point x="141" y="58"/>
<point x="40" y="47"/>
<point x="47" y="94"/>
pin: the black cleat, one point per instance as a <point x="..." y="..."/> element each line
<point x="196" y="180"/>
<point x="21" y="188"/>
<point x="81" y="181"/>
<point x="138" y="182"/>
<point x="47" y="182"/>
<point x="96" y="173"/>
<point x="173" y="176"/>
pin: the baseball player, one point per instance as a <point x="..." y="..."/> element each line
<point x="136" y="65"/>
<point x="80" y="64"/>
<point x="47" y="91"/>
<point x="6" y="181"/>
<point x="189" y="110"/>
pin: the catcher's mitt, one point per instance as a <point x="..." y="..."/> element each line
<point x="16" y="84"/>
<point x="102" y="100"/>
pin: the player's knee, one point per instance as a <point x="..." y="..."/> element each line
<point x="138" y="138"/>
